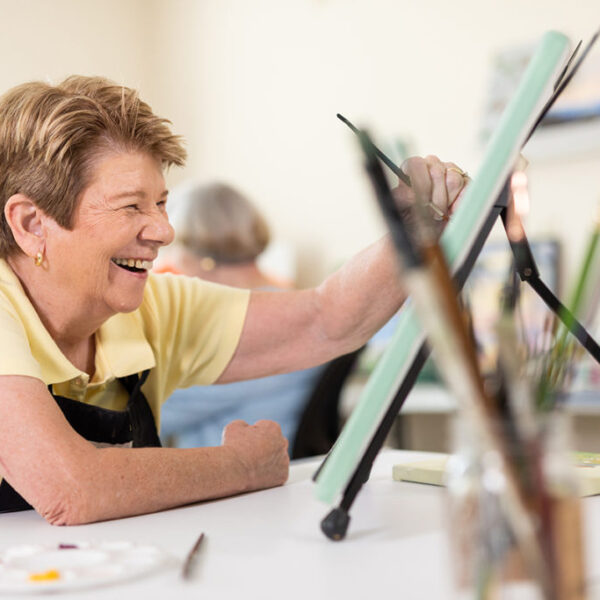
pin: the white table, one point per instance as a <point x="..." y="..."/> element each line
<point x="268" y="544"/>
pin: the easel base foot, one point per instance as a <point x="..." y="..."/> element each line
<point x="335" y="524"/>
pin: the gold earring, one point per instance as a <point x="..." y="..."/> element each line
<point x="207" y="263"/>
<point x="39" y="258"/>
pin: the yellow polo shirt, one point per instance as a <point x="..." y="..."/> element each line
<point x="186" y="331"/>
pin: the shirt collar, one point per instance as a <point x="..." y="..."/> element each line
<point x="121" y="339"/>
<point x="124" y="344"/>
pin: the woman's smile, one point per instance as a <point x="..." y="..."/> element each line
<point x="133" y="265"/>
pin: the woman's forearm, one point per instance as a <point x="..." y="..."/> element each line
<point x="69" y="481"/>
<point x="122" y="482"/>
<point x="111" y="483"/>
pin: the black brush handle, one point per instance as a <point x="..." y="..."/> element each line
<point x="388" y="163"/>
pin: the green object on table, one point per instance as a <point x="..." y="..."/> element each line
<point x="458" y="238"/>
<point x="583" y="307"/>
<point x="588" y="279"/>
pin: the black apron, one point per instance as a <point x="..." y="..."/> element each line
<point x="135" y="425"/>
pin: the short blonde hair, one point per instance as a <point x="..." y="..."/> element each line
<point x="51" y="135"/>
<point x="217" y="221"/>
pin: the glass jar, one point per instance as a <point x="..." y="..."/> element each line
<point x="488" y="563"/>
<point x="565" y="528"/>
<point x="486" y="560"/>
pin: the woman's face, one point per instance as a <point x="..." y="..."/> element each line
<point x="119" y="225"/>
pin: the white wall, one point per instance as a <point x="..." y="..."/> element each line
<point x="260" y="83"/>
<point x="255" y="86"/>
<point x="50" y="39"/>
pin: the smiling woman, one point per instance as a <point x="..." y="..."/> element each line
<point x="93" y="343"/>
<point x="83" y="202"/>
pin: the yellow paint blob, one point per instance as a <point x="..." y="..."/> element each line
<point x="45" y="576"/>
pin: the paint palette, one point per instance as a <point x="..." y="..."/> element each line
<point x="33" y="568"/>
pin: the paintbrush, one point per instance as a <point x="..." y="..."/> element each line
<point x="393" y="167"/>
<point x="190" y="562"/>
<point x="431" y="288"/>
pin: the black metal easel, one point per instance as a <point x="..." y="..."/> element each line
<point x="335" y="523"/>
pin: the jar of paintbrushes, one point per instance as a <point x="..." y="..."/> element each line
<point x="497" y="552"/>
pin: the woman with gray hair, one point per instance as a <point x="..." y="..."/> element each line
<point x="219" y="236"/>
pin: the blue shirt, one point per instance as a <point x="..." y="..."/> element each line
<point x="196" y="416"/>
